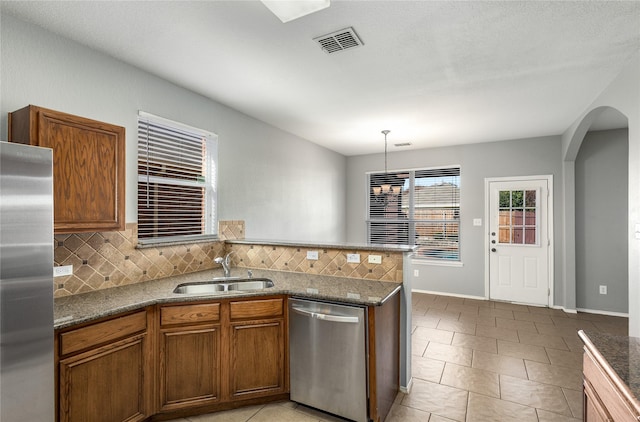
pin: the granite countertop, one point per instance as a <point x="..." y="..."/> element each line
<point x="77" y="309"/>
<point x="344" y="246"/>
<point x="621" y="353"/>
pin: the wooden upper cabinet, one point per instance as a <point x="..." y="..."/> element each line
<point x="88" y="167"/>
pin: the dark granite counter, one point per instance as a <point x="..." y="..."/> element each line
<point x="76" y="309"/>
<point x="621" y="354"/>
<point x="343" y="246"/>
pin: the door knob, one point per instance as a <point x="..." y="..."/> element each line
<point x="493" y="241"/>
<point x="493" y="249"/>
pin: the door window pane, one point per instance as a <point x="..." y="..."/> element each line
<point x="517" y="217"/>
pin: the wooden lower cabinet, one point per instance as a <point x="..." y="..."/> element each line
<point x="605" y="398"/>
<point x="257" y="359"/>
<point x="189" y="367"/>
<point x="182" y="359"/>
<point x="594" y="409"/>
<point x="189" y="355"/>
<point x="104" y="371"/>
<point x="212" y="355"/>
<point x="258" y="348"/>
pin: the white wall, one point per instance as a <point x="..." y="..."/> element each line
<point x="536" y="156"/>
<point x="284" y="187"/>
<point x="601" y="221"/>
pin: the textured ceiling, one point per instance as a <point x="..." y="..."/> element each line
<point x="433" y="72"/>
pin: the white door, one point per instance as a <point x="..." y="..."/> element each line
<point x="519" y="241"/>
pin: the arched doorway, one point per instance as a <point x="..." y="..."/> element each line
<point x="599" y="156"/>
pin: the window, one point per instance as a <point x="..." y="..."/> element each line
<point x="518" y="217"/>
<point x="176" y="181"/>
<point x="417" y="207"/>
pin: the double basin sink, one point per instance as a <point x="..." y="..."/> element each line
<point x="223" y="285"/>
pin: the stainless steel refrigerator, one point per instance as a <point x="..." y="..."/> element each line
<point x="26" y="284"/>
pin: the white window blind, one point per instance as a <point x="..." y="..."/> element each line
<point x="176" y="181"/>
<point x="423" y="210"/>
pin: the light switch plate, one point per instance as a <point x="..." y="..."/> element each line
<point x="375" y="259"/>
<point x="477" y="221"/>
<point x="353" y="258"/>
<point x="313" y="255"/>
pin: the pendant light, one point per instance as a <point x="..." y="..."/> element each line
<point x="386" y="188"/>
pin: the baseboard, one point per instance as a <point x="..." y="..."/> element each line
<point x="595" y="311"/>
<point x="568" y="311"/>
<point x="407" y="389"/>
<point x="449" y="294"/>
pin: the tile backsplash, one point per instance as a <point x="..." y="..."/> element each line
<point x="110" y="259"/>
<point x="332" y="262"/>
<point x="231" y="229"/>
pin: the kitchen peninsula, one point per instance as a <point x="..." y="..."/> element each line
<point x="611" y="368"/>
<point x="147" y="329"/>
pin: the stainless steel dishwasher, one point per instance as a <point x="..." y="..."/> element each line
<point x="328" y="357"/>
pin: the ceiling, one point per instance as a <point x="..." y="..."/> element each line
<point x="435" y="73"/>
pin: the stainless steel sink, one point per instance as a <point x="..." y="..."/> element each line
<point x="221" y="286"/>
<point x="250" y="285"/>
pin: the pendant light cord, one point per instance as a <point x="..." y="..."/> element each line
<point x="385" y="132"/>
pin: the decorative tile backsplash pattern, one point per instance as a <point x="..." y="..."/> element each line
<point x="231" y="229"/>
<point x="110" y="259"/>
<point x="331" y="262"/>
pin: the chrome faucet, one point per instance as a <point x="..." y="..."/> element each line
<point x="226" y="263"/>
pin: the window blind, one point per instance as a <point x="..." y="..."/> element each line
<point x="176" y="181"/>
<point x="424" y="210"/>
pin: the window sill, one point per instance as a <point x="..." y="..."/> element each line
<point x="156" y="243"/>
<point x="437" y="263"/>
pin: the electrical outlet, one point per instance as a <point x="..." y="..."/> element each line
<point x="603" y="290"/>
<point x="62" y="270"/>
<point x="416" y="273"/>
<point x="353" y="258"/>
<point x="312" y="255"/>
<point x="375" y="259"/>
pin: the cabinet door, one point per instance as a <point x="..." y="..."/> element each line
<point x="88" y="163"/>
<point x="594" y="410"/>
<point x="257" y="358"/>
<point x="189" y="367"/>
<point x="105" y="384"/>
<point x="88" y="166"/>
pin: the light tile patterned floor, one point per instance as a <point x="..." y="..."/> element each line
<point x="477" y="361"/>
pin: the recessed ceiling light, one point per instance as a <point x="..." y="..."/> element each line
<point x="288" y="10"/>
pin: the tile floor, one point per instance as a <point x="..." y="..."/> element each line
<point x="477" y="361"/>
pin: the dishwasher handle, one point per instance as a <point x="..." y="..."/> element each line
<point x="327" y="317"/>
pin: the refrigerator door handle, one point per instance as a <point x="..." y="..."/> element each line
<point x="327" y="317"/>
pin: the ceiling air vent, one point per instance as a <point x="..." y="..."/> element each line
<point x="339" y="40"/>
<point x="403" y="144"/>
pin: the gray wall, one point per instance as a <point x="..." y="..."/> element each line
<point x="601" y="172"/>
<point x="536" y="156"/>
<point x="284" y="187"/>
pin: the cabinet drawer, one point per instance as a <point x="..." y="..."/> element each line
<point x="102" y="332"/>
<point x="208" y="312"/>
<point x="257" y="308"/>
